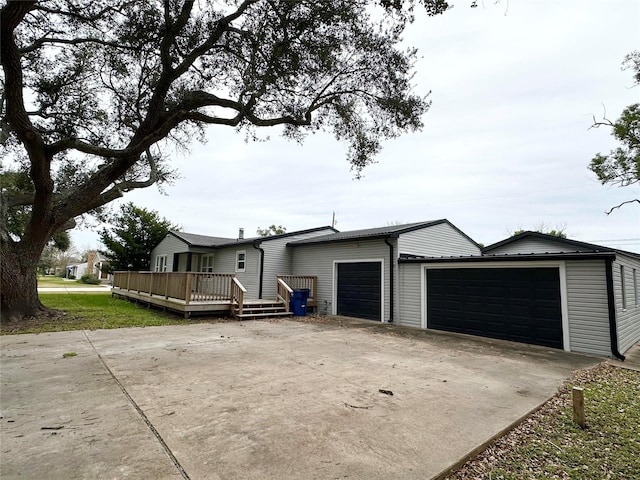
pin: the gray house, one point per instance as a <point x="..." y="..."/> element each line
<point x="254" y="261"/>
<point x="358" y="271"/>
<point x="531" y="288"/>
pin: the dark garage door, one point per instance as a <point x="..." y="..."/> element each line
<point x="359" y="291"/>
<point x="519" y="304"/>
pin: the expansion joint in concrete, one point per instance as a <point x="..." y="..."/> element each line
<point x="145" y="419"/>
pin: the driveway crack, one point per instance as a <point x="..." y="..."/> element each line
<point x="146" y="420"/>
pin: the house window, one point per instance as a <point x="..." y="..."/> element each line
<point x="161" y="263"/>
<point x="206" y="264"/>
<point x="622" y="287"/>
<point x="635" y="288"/>
<point x="241" y="260"/>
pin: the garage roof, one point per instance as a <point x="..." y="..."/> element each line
<point x="375" y="233"/>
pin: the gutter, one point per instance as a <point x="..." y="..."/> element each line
<point x="613" y="332"/>
<point x="391" y="262"/>
<point x="256" y="245"/>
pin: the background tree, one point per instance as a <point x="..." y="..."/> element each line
<point x="271" y="230"/>
<point x="622" y="165"/>
<point x="93" y="90"/>
<point x="133" y="233"/>
<point x="558" y="231"/>
<point x="53" y="251"/>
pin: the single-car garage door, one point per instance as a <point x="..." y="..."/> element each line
<point x="359" y="290"/>
<point x="519" y="304"/>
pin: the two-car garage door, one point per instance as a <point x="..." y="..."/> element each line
<point x="518" y="304"/>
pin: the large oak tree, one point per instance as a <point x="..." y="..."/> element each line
<point x="94" y="90"/>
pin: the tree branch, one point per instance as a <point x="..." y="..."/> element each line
<point x="623" y="203"/>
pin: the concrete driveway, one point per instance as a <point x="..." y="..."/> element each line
<point x="261" y="400"/>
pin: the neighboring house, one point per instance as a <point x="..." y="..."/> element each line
<point x="530" y="288"/>
<point x="96" y="265"/>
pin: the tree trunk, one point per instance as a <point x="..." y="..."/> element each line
<point x="19" y="294"/>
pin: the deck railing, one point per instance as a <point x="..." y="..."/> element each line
<point x="284" y="293"/>
<point x="187" y="286"/>
<point x="237" y="294"/>
<point x="295" y="282"/>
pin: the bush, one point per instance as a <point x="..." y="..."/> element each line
<point x="90" y="279"/>
<point x="71" y="277"/>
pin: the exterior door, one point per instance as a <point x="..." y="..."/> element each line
<point x="359" y="290"/>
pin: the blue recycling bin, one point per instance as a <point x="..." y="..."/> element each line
<point x="298" y="302"/>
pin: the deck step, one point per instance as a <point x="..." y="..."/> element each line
<point x="254" y="309"/>
<point x="251" y="316"/>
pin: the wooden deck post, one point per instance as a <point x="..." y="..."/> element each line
<point x="578" y="407"/>
<point x="187" y="290"/>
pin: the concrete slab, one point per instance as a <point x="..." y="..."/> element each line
<point x="262" y="400"/>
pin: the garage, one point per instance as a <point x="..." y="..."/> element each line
<point x="517" y="304"/>
<point x="359" y="290"/>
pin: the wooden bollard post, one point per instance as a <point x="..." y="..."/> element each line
<point x="578" y="407"/>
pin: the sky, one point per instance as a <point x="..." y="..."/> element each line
<point x="505" y="145"/>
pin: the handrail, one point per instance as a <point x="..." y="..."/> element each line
<point x="237" y="294"/>
<point x="301" y="281"/>
<point x="284" y="293"/>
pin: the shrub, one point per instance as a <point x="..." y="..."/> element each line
<point x="90" y="279"/>
<point x="71" y="277"/>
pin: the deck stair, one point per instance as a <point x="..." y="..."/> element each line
<point x="259" y="309"/>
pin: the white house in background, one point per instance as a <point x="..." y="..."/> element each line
<point x="94" y="265"/>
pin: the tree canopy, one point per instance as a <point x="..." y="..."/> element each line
<point x="621" y="166"/>
<point x="271" y="230"/>
<point x="132" y="234"/>
<point x="94" y="91"/>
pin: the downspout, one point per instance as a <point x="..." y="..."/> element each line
<point x="256" y="245"/>
<point x="613" y="333"/>
<point x="391" y="265"/>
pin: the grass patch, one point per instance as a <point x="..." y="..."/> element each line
<point x="69" y="354"/>
<point x="549" y="445"/>
<point x="91" y="311"/>
<point x="58" y="282"/>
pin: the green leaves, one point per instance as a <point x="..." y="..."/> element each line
<point x="133" y="233"/>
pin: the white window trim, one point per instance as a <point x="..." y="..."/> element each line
<point x="244" y="268"/>
<point x="210" y="259"/>
<point x="161" y="266"/>
<point x="635" y="288"/>
<point x="560" y="265"/>
<point x="623" y="288"/>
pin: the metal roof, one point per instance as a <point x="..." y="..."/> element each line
<point x="375" y="233"/>
<point x="570" y="244"/>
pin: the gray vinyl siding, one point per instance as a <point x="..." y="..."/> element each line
<point x="535" y="245"/>
<point x="277" y="259"/>
<point x="588" y="307"/>
<point x="441" y="240"/>
<point x="410" y="296"/>
<point x="628" y="320"/>
<point x="225" y="262"/>
<point x="319" y="259"/>
<point x="169" y="246"/>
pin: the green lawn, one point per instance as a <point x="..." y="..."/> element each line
<point x="549" y="445"/>
<point x="90" y="311"/>
<point x="51" y="282"/>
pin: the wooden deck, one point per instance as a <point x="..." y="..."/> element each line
<point x="202" y="293"/>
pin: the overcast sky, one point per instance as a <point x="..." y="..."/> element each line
<point x="505" y="144"/>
